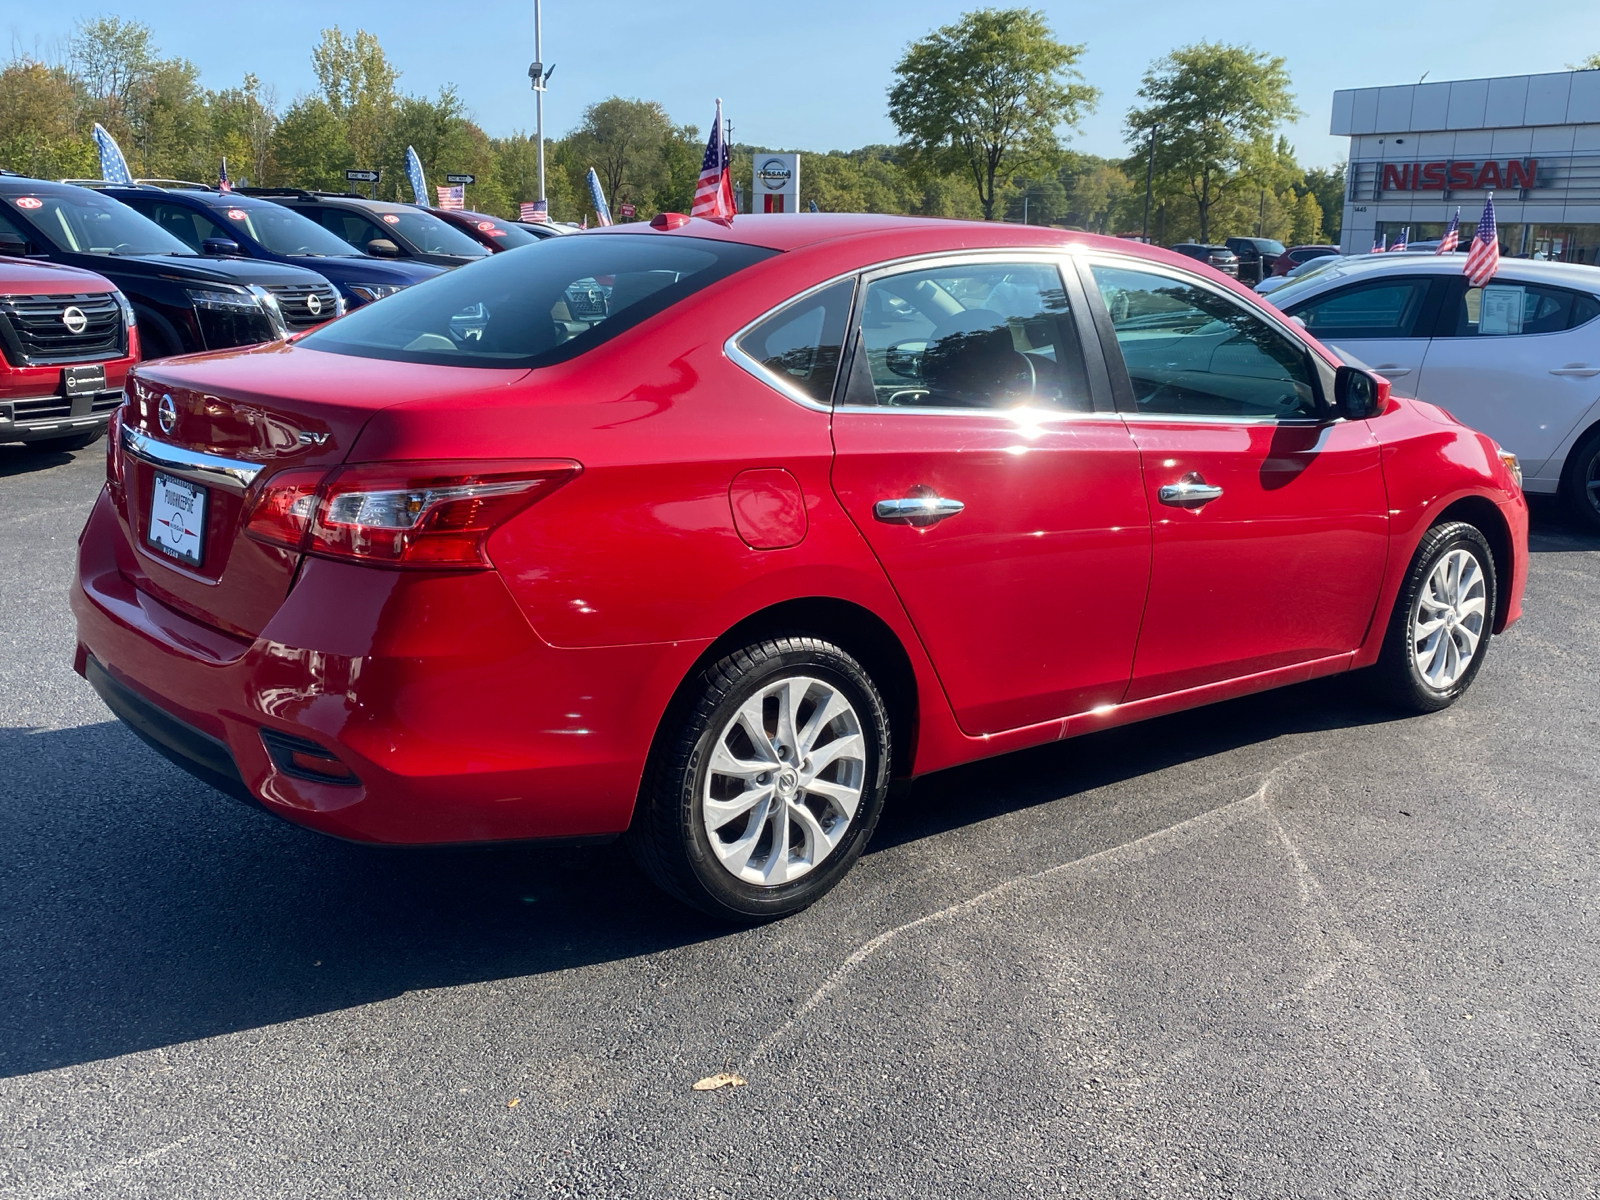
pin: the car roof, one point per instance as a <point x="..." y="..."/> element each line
<point x="796" y="231"/>
<point x="1526" y="270"/>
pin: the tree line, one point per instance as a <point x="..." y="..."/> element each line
<point x="983" y="106"/>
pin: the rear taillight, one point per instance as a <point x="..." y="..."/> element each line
<point x="401" y="514"/>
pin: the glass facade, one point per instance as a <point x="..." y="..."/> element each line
<point x="1552" y="243"/>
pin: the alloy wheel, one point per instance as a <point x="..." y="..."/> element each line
<point x="1448" y="621"/>
<point x="784" y="780"/>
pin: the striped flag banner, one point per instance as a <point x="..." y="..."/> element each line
<point x="536" y="212"/>
<point x="1400" y="242"/>
<point x="1452" y="235"/>
<point x="451" y="196"/>
<point x="1483" y="256"/>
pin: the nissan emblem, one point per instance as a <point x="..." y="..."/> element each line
<point x="167" y="414"/>
<point x="74" y="319"/>
<point x="314" y="303"/>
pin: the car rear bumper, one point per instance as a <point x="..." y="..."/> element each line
<point x="423" y="708"/>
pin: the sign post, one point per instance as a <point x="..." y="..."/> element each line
<point x="370" y="178"/>
<point x="776" y="187"/>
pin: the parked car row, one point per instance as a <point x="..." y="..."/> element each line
<point x="159" y="268"/>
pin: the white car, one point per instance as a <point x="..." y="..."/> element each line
<point x="1518" y="359"/>
<point x="1299" y="271"/>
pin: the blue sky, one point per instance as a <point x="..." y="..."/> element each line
<point x="812" y="74"/>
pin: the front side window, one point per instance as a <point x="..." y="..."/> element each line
<point x="284" y="231"/>
<point x="1190" y="351"/>
<point x="351" y="228"/>
<point x="183" y="223"/>
<point x="85" y="222"/>
<point x="430" y="235"/>
<point x="531" y="310"/>
<point x="800" y="344"/>
<point x="1384" y="308"/>
<point x="1505" y="309"/>
<point x="976" y="335"/>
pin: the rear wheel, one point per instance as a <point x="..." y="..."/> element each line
<point x="767" y="790"/>
<point x="1442" y="621"/>
<point x="1580" y="484"/>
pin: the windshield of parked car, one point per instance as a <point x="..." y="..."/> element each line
<point x="1317" y="277"/>
<point x="430" y="235"/>
<point x="503" y="233"/>
<point x="531" y="308"/>
<point x="85" y="222"/>
<point x="283" y="231"/>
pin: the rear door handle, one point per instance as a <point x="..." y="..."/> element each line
<point x="1189" y="492"/>
<point x="1580" y="370"/>
<point x="1392" y="370"/>
<point x="918" y="510"/>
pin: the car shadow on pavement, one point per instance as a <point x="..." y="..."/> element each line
<point x="1553" y="529"/>
<point x="143" y="909"/>
<point x="17" y="459"/>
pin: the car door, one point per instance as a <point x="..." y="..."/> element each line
<point x="1517" y="360"/>
<point x="1383" y="323"/>
<point x="1270" y="523"/>
<point x="1004" y="503"/>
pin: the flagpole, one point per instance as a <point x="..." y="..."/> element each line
<point x="538" y="91"/>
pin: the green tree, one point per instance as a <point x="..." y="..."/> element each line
<point x="625" y="141"/>
<point x="38" y="136"/>
<point x="1214" y="108"/>
<point x="113" y="60"/>
<point x="1592" y="63"/>
<point x="1098" y="192"/>
<point x="988" y="97"/>
<point x="309" y="149"/>
<point x="1327" y="185"/>
<point x="242" y="124"/>
<point x="358" y="85"/>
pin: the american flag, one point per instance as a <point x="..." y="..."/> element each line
<point x="454" y="196"/>
<point x="713" y="192"/>
<point x="1452" y="236"/>
<point x="1379" y="246"/>
<point x="1483" y="256"/>
<point x="1400" y="242"/>
<point x="222" y="178"/>
<point x="536" y="211"/>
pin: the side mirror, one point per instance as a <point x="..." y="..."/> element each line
<point x="383" y="248"/>
<point x="1359" y="394"/>
<point x="220" y="247"/>
<point x="12" y="245"/>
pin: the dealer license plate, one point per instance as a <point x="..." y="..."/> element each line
<point x="177" y="518"/>
<point x="83" y="381"/>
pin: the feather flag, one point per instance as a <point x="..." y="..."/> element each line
<point x="602" y="214"/>
<point x="113" y="167"/>
<point x="419" y="184"/>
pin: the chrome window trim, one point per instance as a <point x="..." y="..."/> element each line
<point x="867" y="274"/>
<point x="193" y="465"/>
<point x="1052" y="414"/>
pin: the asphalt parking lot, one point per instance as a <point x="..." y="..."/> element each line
<point x="1289" y="946"/>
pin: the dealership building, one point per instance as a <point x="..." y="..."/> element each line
<point x="1419" y="151"/>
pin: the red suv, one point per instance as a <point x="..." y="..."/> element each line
<point x="702" y="533"/>
<point x="67" y="339"/>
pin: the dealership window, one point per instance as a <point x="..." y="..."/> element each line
<point x="1502" y="309"/>
<point x="970" y="335"/>
<point x="1192" y="351"/>
<point x="800" y="344"/>
<point x="1386" y="308"/>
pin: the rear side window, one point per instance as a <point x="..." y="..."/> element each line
<point x="1504" y="309"/>
<point x="183" y="223"/>
<point x="533" y="308"/>
<point x="1385" y="308"/>
<point x="799" y="346"/>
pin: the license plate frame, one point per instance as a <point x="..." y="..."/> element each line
<point x="83" y="380"/>
<point x="177" y="525"/>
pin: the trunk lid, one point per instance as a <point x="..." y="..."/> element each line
<point x="233" y="420"/>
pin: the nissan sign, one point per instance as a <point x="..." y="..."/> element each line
<point x="1460" y="176"/>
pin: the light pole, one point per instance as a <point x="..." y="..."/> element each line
<point x="1149" y="174"/>
<point x="540" y="76"/>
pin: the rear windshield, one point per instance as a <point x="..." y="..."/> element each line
<point x="538" y="305"/>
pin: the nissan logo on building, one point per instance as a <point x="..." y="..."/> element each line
<point x="774" y="174"/>
<point x="74" y="319"/>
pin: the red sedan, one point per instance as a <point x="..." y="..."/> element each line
<point x="702" y="534"/>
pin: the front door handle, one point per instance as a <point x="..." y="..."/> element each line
<point x="1189" y="492"/>
<point x="1392" y="370"/>
<point x="1580" y="370"/>
<point x="921" y="509"/>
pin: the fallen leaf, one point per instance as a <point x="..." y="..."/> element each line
<point x="514" y="1101"/>
<point x="721" y="1079"/>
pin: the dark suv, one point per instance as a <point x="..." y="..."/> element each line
<point x="379" y="228"/>
<point x="496" y="233"/>
<point x="226" y="224"/>
<point x="1256" y="256"/>
<point x="183" y="302"/>
<point x="1220" y="257"/>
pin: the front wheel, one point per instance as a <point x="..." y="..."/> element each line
<point x="1442" y="621"/>
<point x="764" y="794"/>
<point x="1580" y="483"/>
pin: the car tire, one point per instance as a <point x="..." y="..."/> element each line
<point x="1580" y="482"/>
<point x="1442" y="622"/>
<point x="786" y="738"/>
<point x="65" y="445"/>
